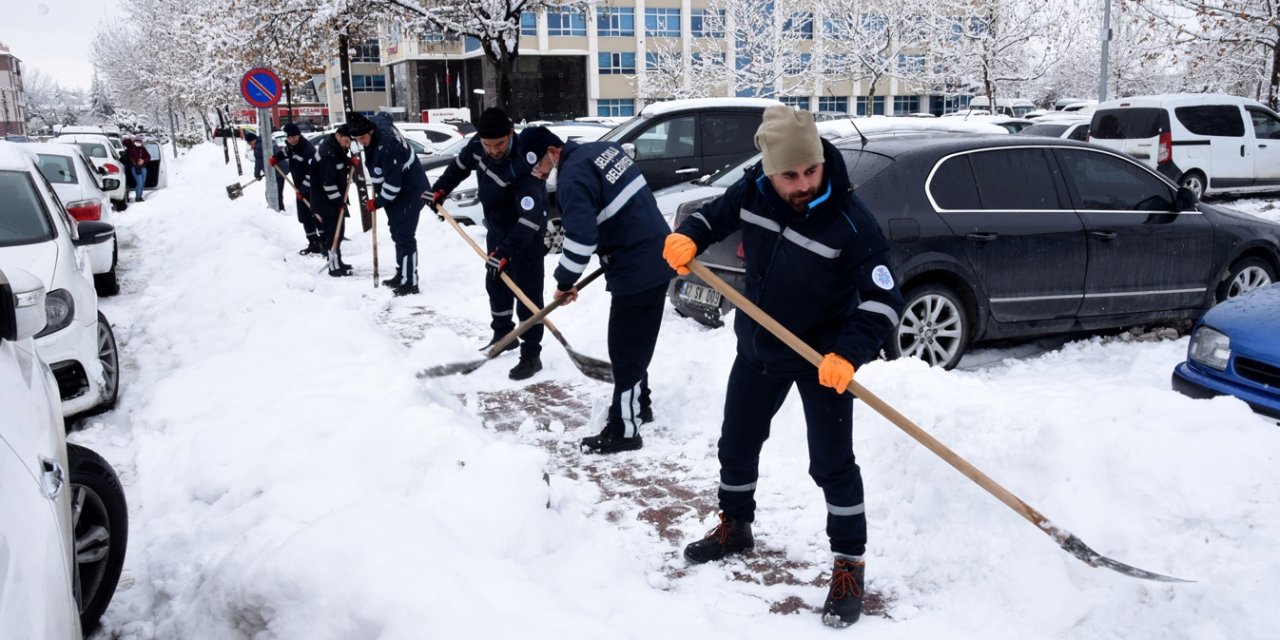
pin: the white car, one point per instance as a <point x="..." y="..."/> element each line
<point x="109" y="162"/>
<point x="83" y="196"/>
<point x="1059" y="126"/>
<point x="434" y="136"/>
<point x="157" y="169"/>
<point x="65" y="526"/>
<point x="37" y="235"/>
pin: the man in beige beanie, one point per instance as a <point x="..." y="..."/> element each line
<point x="817" y="263"/>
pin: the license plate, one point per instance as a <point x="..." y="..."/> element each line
<point x="700" y="294"/>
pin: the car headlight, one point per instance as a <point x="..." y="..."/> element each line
<point x="687" y="209"/>
<point x="1210" y="348"/>
<point x="59" y="310"/>
<point x="466" y="197"/>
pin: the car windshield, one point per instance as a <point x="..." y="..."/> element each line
<point x="23" y="219"/>
<point x="730" y="174"/>
<point x="417" y="146"/>
<point x="1121" y="124"/>
<point x="455" y="147"/>
<point x="615" y="134"/>
<point x="1048" y="130"/>
<point x="93" y="149"/>
<point x="57" y="169"/>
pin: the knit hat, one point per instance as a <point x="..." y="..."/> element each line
<point x="343" y="130"/>
<point x="534" y="142"/>
<point x="292" y="129"/>
<point x="494" y="123"/>
<point x="250" y="136"/>
<point x="788" y="139"/>
<point x="359" y="125"/>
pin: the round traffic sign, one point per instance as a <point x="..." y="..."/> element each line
<point x="261" y="87"/>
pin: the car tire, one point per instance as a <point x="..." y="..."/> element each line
<point x="1195" y="181"/>
<point x="554" y="239"/>
<point x="1245" y="275"/>
<point x="100" y="517"/>
<point x="106" y="284"/>
<point x="120" y="205"/>
<point x="935" y="327"/>
<point x="109" y="356"/>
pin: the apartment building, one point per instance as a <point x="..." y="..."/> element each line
<point x="13" y="101"/>
<point x="603" y="60"/>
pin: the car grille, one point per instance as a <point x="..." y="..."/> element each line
<point x="71" y="378"/>
<point x="1259" y="372"/>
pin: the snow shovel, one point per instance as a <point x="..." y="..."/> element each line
<point x="372" y="224"/>
<point x="295" y="188"/>
<point x="501" y="345"/>
<point x="590" y="367"/>
<point x="236" y="190"/>
<point x="1069" y="543"/>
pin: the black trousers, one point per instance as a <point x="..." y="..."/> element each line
<point x="527" y="271"/>
<point x="402" y="220"/>
<point x="634" y="321"/>
<point x="329" y="230"/>
<point x="309" y="223"/>
<point x="752" y="399"/>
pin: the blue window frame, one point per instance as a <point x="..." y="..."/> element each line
<point x="707" y="23"/>
<point x="615" y="107"/>
<point x="528" y="23"/>
<point x="903" y="105"/>
<point x="662" y="23"/>
<point x="363" y="84"/>
<point x="365" y="51"/>
<point x="877" y="106"/>
<point x="616" y="21"/>
<point x="801" y="23"/>
<point x="911" y="63"/>
<point x="830" y="103"/>
<point x="565" y="22"/>
<point x="617" y="62"/>
<point x="795" y="102"/>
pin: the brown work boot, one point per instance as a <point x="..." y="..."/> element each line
<point x="729" y="537"/>
<point x="844" y="600"/>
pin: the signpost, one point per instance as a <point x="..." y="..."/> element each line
<point x="261" y="87"/>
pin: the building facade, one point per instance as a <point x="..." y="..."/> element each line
<point x="13" y="101"/>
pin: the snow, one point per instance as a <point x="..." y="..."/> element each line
<point x="288" y="476"/>
<point x="669" y="106"/>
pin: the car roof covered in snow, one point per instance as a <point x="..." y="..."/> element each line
<point x="669" y="106"/>
<point x="14" y="156"/>
<point x="56" y="148"/>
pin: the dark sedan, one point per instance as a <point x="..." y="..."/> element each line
<point x="1001" y="237"/>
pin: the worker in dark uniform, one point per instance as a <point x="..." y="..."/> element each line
<point x="399" y="185"/>
<point x="817" y="263"/>
<point x="607" y="209"/>
<point x="300" y="152"/>
<point x="330" y="177"/>
<point x="259" y="170"/>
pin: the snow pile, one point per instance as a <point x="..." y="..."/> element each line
<point x="289" y="477"/>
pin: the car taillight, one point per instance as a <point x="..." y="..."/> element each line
<point x="741" y="254"/>
<point x="85" y="210"/>
<point x="1166" y="148"/>
<point x="111" y="167"/>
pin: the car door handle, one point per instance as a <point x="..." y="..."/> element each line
<point x="686" y="171"/>
<point x="52" y="478"/>
<point x="981" y="237"/>
<point x="1262" y="146"/>
<point x="1105" y="236"/>
<point x="1241" y="151"/>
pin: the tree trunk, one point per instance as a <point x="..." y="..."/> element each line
<point x="505" y="67"/>
<point x="1273" y="91"/>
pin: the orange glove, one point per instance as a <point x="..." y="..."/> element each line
<point x="835" y="372"/>
<point x="678" y="251"/>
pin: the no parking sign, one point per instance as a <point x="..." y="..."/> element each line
<point x="261" y="87"/>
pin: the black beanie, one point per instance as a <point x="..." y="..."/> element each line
<point x="494" y="123"/>
<point x="292" y="129"/>
<point x="534" y="142"/>
<point x="359" y="125"/>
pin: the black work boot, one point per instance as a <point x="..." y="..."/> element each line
<point x="404" y="290"/>
<point x="728" y="538"/>
<point x="525" y="369"/>
<point x="313" y="248"/>
<point x="393" y="281"/>
<point x="646" y="415"/>
<point x="844" y="600"/>
<point x="610" y="440"/>
<point x="341" y="271"/>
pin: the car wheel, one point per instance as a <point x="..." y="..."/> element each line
<point x="109" y="356"/>
<point x="555" y="237"/>
<point x="121" y="205"/>
<point x="1195" y="181"/>
<point x="105" y="283"/>
<point x="1245" y="276"/>
<point x="100" y="518"/>
<point x="934" y="327"/>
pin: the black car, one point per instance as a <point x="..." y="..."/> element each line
<point x="1014" y="236"/>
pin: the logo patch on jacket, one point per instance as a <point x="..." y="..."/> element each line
<point x="531" y="158"/>
<point x="526" y="203"/>
<point x="377" y="171"/>
<point x="881" y="276"/>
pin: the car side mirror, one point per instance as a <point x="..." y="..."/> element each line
<point x="1186" y="199"/>
<point x="22" y="312"/>
<point x="93" y="232"/>
<point x="110" y="184"/>
<point x="630" y="149"/>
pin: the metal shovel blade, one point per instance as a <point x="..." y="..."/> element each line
<point x="1076" y="547"/>
<point x="234" y="191"/>
<point x="592" y="367"/>
<point x="442" y="370"/>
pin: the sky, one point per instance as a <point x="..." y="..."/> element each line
<point x="55" y="36"/>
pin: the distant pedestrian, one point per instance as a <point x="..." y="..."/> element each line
<point x="259" y="170"/>
<point x="138" y="158"/>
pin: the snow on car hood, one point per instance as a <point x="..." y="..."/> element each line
<point x="40" y="260"/>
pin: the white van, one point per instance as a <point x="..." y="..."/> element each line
<point x="1209" y="143"/>
<point x="1016" y="107"/>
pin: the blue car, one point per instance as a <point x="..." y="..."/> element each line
<point x="1235" y="350"/>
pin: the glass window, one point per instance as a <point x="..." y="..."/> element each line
<point x="671" y="138"/>
<point x="616" y="21"/>
<point x="1081" y="133"/>
<point x="1046" y="130"/>
<point x="662" y="22"/>
<point x="1014" y="179"/>
<point x="729" y="133"/>
<point x="1212" y="120"/>
<point x="829" y="103"/>
<point x="652" y="61"/>
<point x="707" y="23"/>
<point x="795" y="102"/>
<point x="57" y="169"/>
<point x="362" y="83"/>
<point x="953" y="186"/>
<point x="801" y="23"/>
<point x="903" y="105"/>
<point x="93" y="149"/>
<point x="365" y="51"/>
<point x="797" y="65"/>
<point x="528" y="23"/>
<point x="1104" y="182"/>
<point x="712" y="58"/>
<point x="617" y="62"/>
<point x="23" y="215"/>
<point x="877" y="106"/>
<point x="911" y="64"/>
<point x="565" y="22"/>
<point x="1265" y="125"/>
<point x="1128" y="124"/>
<point x="615" y="107"/>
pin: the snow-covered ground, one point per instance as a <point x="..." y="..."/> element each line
<point x="289" y="477"/>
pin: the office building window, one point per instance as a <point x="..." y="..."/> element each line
<point x="368" y="83"/>
<point x="903" y="105"/>
<point x="565" y="22"/>
<point x="365" y="51"/>
<point x="830" y="103"/>
<point x="653" y="60"/>
<point x="911" y="64"/>
<point x="707" y="23"/>
<point x="617" y="62"/>
<point x="528" y="23"/>
<point x="616" y="107"/>
<point x="877" y="106"/>
<point x="616" y="21"/>
<point x="662" y="23"/>
<point x="797" y="102"/>
<point x="801" y="23"/>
